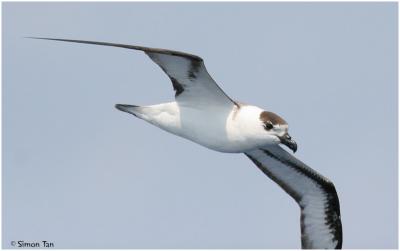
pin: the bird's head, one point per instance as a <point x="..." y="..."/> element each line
<point x="275" y="129"/>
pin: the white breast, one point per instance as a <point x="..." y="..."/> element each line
<point x="221" y="129"/>
<point x="224" y="130"/>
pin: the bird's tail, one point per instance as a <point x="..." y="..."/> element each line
<point x="164" y="116"/>
<point x="132" y="109"/>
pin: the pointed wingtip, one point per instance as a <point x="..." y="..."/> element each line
<point x="38" y="38"/>
<point x="49" y="38"/>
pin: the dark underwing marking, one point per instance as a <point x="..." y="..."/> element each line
<point x="194" y="69"/>
<point x="295" y="195"/>
<point x="332" y="209"/>
<point x="282" y="184"/>
<point x="270" y="116"/>
<point x="178" y="87"/>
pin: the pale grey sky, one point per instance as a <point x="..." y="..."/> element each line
<point x="81" y="174"/>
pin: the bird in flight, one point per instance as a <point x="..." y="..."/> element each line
<point x="204" y="114"/>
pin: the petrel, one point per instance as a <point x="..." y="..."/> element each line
<point x="204" y="114"/>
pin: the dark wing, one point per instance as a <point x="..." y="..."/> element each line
<point x="190" y="79"/>
<point x="321" y="226"/>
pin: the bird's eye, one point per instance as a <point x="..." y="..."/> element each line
<point x="268" y="126"/>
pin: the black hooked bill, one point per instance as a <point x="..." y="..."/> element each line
<point x="289" y="142"/>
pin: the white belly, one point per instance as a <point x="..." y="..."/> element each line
<point x="217" y="128"/>
<point x="211" y="132"/>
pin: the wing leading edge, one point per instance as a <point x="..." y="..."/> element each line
<point x="320" y="222"/>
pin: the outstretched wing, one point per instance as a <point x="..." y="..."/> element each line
<point x="190" y="79"/>
<point x="321" y="226"/>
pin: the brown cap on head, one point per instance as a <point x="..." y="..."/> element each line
<point x="272" y="117"/>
